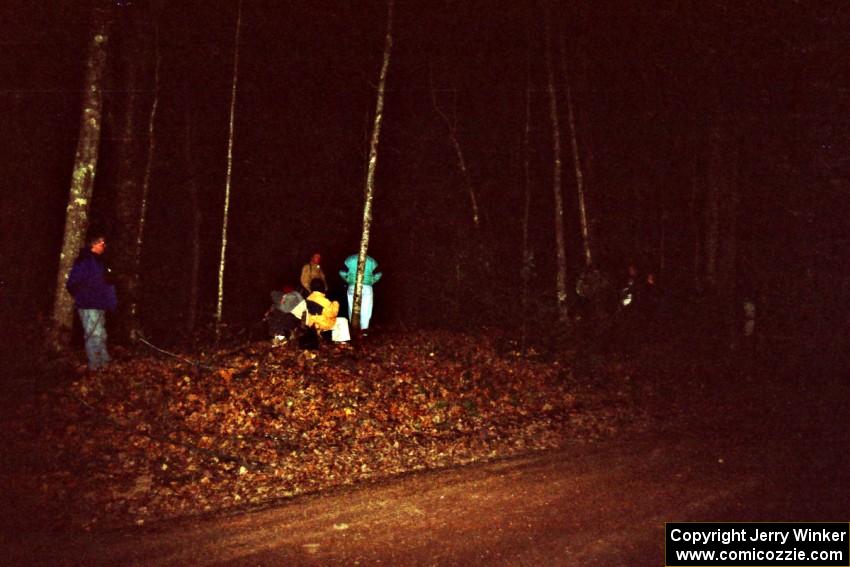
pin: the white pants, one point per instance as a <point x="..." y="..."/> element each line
<point x="365" y="305"/>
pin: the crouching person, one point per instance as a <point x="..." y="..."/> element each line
<point x="284" y="315"/>
<point x="322" y="319"/>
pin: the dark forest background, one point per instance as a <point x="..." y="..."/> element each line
<point x="673" y="99"/>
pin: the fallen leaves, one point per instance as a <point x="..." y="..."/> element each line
<point x="152" y="439"/>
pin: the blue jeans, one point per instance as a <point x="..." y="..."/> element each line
<point x="365" y="305"/>
<point x="94" y="330"/>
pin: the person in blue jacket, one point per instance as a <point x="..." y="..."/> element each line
<point x="93" y="296"/>
<point x="370" y="277"/>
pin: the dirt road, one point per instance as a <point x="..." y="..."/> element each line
<point x="601" y="504"/>
<point x="736" y="450"/>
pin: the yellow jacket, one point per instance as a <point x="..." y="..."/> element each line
<point x="325" y="320"/>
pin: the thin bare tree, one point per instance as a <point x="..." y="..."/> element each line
<point x="220" y="302"/>
<point x="721" y="202"/>
<point x="712" y="205"/>
<point x="571" y="119"/>
<point x="560" y="245"/>
<point x="133" y="310"/>
<point x="527" y="253"/>
<point x="693" y="214"/>
<point x="197" y="219"/>
<point x="83" y="176"/>
<point x="721" y="206"/>
<point x="371" y="168"/>
<point x="451" y="126"/>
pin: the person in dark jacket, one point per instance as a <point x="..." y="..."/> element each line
<point x="284" y="315"/>
<point x="93" y="296"/>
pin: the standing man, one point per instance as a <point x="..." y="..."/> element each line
<point x="369" y="278"/>
<point x="93" y="295"/>
<point x="312" y="271"/>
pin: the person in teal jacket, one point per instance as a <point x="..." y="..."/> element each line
<point x="370" y="277"/>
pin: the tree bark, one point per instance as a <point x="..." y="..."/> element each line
<point x="128" y="179"/>
<point x="372" y="167"/>
<point x="721" y="245"/>
<point x="135" y="285"/>
<point x="220" y="302"/>
<point x="695" y="223"/>
<point x="712" y="205"/>
<point x="583" y="122"/>
<point x="195" y="228"/>
<point x="560" y="245"/>
<point x="527" y="255"/>
<point x="582" y="206"/>
<point x="451" y="126"/>
<point x="728" y="257"/>
<point x="82" y="178"/>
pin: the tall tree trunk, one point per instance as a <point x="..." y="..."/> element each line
<point x="474" y="258"/>
<point x="727" y="260"/>
<point x="220" y="302"/>
<point x="527" y="255"/>
<point x="582" y="206"/>
<point x="714" y="176"/>
<point x="695" y="222"/>
<point x="372" y="166"/>
<point x="82" y="178"/>
<point x="662" y="239"/>
<point x="128" y="177"/>
<point x="195" y="228"/>
<point x="581" y="75"/>
<point x="560" y="245"/>
<point x="134" y="325"/>
<point x="721" y="220"/>
<point x="451" y="126"/>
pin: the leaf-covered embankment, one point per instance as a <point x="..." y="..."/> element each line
<point x="155" y="438"/>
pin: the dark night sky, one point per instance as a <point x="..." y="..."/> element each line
<point x="650" y="80"/>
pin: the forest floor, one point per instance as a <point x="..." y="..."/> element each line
<point x="160" y="451"/>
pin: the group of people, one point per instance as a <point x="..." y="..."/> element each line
<point x="308" y="313"/>
<point x="293" y="311"/>
<point x="639" y="292"/>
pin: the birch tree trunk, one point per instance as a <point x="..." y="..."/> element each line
<point x="582" y="206"/>
<point x="527" y="256"/>
<point x="195" y="229"/>
<point x="560" y="245"/>
<point x="451" y="126"/>
<point x="583" y="122"/>
<point x="220" y="302"/>
<point x="133" y="310"/>
<point x="82" y="178"/>
<point x="370" y="172"/>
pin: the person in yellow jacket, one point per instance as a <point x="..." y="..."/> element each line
<point x="322" y="314"/>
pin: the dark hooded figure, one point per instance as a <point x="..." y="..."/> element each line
<point x="93" y="296"/>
